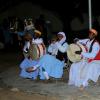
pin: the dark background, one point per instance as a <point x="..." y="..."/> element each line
<point x="66" y="10"/>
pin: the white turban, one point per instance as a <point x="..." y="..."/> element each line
<point x="64" y="37"/>
<point x="62" y="33"/>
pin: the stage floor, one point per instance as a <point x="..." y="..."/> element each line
<point x="13" y="87"/>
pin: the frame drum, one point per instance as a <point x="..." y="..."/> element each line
<point x="36" y="51"/>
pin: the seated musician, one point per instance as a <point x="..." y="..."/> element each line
<point x="50" y="64"/>
<point x="30" y="39"/>
<point x="89" y="67"/>
<point x="28" y="61"/>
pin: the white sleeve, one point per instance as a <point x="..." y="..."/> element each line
<point x="63" y="48"/>
<point x="83" y="41"/>
<point x="37" y="41"/>
<point x="26" y="46"/>
<point x="53" y="49"/>
<point x="50" y="48"/>
<point x="93" y="53"/>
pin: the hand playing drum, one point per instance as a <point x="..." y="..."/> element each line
<point x="74" y="52"/>
<point x="78" y="52"/>
<point x="30" y="69"/>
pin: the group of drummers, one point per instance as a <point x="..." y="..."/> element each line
<point x="48" y="62"/>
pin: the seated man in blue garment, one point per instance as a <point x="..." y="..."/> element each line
<point x="29" y="39"/>
<point x="51" y="64"/>
<point x="28" y="62"/>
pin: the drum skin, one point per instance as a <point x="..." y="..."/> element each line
<point x="72" y="56"/>
<point x="36" y="51"/>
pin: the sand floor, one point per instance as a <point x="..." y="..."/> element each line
<point x="12" y="87"/>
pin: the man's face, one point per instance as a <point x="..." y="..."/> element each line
<point x="28" y="37"/>
<point x="36" y="35"/>
<point x="91" y="35"/>
<point x="60" y="36"/>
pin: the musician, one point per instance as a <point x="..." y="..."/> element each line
<point x="52" y="48"/>
<point x="62" y="47"/>
<point x="30" y="39"/>
<point x="28" y="62"/>
<point x="89" y="67"/>
<point x="49" y="63"/>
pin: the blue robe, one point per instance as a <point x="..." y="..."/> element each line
<point x="26" y="63"/>
<point x="52" y="66"/>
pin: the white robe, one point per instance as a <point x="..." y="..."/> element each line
<point x="34" y="41"/>
<point x="82" y="71"/>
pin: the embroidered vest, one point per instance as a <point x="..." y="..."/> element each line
<point x="98" y="54"/>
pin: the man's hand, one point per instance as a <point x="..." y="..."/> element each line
<point x="30" y="69"/>
<point x="78" y="52"/>
<point x="75" y="40"/>
<point x="26" y="51"/>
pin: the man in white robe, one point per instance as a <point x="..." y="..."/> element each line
<point x="89" y="67"/>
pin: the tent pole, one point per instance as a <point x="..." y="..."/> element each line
<point x="90" y="14"/>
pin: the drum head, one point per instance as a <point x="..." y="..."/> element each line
<point x="33" y="52"/>
<point x="73" y="57"/>
<point x="37" y="51"/>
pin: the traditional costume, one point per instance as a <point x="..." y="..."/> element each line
<point x="89" y="67"/>
<point x="50" y="63"/>
<point x="28" y="61"/>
